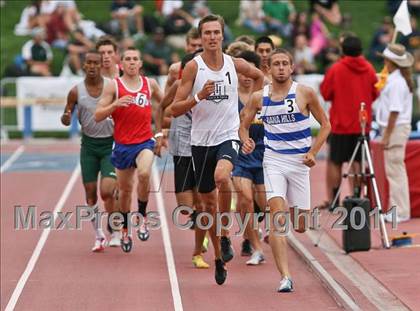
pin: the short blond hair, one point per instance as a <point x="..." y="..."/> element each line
<point x="236" y="48"/>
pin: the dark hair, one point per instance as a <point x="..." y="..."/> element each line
<point x="352" y="46"/>
<point x="264" y="39"/>
<point x="106" y="40"/>
<point x="211" y="18"/>
<point x="189" y="57"/>
<point x="281" y="51"/>
<point x="251" y="57"/>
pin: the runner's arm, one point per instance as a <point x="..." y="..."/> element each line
<point x="245" y="68"/>
<point x="247" y="115"/>
<point x="68" y="110"/>
<point x="107" y="104"/>
<point x="182" y="102"/>
<point x="318" y="112"/>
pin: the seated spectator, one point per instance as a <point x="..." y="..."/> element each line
<point x="381" y="38"/>
<point x="177" y="21"/>
<point x="301" y="26"/>
<point x="122" y="13"/>
<point x="327" y="9"/>
<point x="58" y="33"/>
<point x="279" y="16"/>
<point x="157" y="55"/>
<point x="34" y="15"/>
<point x="77" y="48"/>
<point x="37" y="54"/>
<point x="412" y="41"/>
<point x="302" y="53"/>
<point x="251" y="16"/>
<point x="330" y="54"/>
<point x="319" y="34"/>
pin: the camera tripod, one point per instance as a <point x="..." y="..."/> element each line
<point x="364" y="175"/>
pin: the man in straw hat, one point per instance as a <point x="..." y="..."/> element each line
<point x="395" y="106"/>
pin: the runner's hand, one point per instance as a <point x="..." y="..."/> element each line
<point x="248" y="146"/>
<point x="309" y="159"/>
<point x="66" y="117"/>
<point x="125" y="101"/>
<point x="208" y="88"/>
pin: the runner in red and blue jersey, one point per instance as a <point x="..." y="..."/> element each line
<point x="129" y="101"/>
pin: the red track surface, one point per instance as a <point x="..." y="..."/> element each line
<point x="68" y="276"/>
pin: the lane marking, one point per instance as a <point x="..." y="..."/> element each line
<point x="12" y="158"/>
<point x="41" y="242"/>
<point x="338" y="293"/>
<point x="170" y="262"/>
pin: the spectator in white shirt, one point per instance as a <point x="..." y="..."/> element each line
<point x="394" y="113"/>
<point x="37" y="54"/>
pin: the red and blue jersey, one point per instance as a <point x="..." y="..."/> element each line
<point x="133" y="124"/>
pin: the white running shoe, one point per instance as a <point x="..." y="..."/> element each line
<point x="99" y="245"/>
<point x="286" y="285"/>
<point x="256" y="259"/>
<point x="115" y="240"/>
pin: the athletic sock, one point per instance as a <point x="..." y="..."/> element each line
<point x="108" y="225"/>
<point x="142" y="207"/>
<point x="96" y="222"/>
<point x="125" y="222"/>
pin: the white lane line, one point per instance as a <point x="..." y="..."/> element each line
<point x="326" y="278"/>
<point x="42" y="240"/>
<point x="12" y="158"/>
<point x="170" y="262"/>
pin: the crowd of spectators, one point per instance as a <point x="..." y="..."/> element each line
<point x="161" y="34"/>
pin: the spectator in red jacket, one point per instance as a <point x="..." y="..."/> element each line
<point x="347" y="84"/>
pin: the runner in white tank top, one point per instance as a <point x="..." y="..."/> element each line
<point x="209" y="89"/>
<point x="285" y="107"/>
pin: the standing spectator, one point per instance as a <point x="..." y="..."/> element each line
<point x="279" y="15"/>
<point x="122" y="11"/>
<point x="328" y="9"/>
<point x="301" y="26"/>
<point x="381" y="38"/>
<point x="252" y="16"/>
<point x="346" y="84"/>
<point x="157" y="54"/>
<point x="37" y="54"/>
<point x="319" y="34"/>
<point x="395" y="107"/>
<point x="304" y="59"/>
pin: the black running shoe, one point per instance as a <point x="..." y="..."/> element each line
<point x="220" y="273"/>
<point x="226" y="247"/>
<point x="193" y="218"/>
<point x="246" y="248"/>
<point x="126" y="244"/>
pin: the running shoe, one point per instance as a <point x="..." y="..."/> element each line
<point x="115" y="240"/>
<point x="199" y="262"/>
<point x="220" y="272"/>
<point x="99" y="245"/>
<point x="143" y="232"/>
<point x="286" y="285"/>
<point x="246" y="250"/>
<point x="226" y="247"/>
<point x="126" y="242"/>
<point x="256" y="259"/>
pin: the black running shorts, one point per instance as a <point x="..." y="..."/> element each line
<point x="184" y="174"/>
<point x="205" y="160"/>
